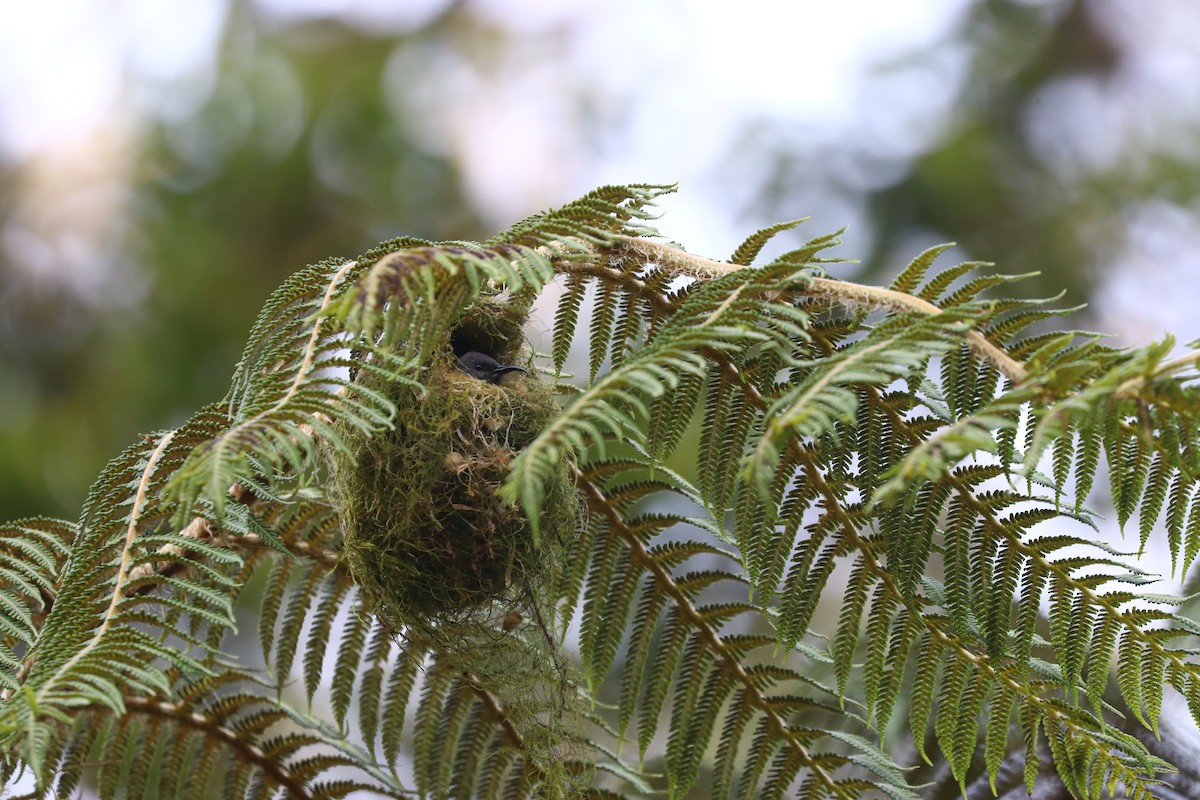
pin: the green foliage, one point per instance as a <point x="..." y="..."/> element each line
<point x="898" y="435"/>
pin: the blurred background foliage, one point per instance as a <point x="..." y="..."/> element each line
<point x="136" y="249"/>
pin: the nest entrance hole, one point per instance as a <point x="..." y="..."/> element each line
<point x="493" y="332"/>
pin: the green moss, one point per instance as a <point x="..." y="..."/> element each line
<point x="443" y="562"/>
<point x="427" y="537"/>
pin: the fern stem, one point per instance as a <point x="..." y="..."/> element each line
<point x="1179" y="364"/>
<point x="1134" y="386"/>
<point x="305" y="368"/>
<point x="199" y="529"/>
<point x="123" y="569"/>
<point x="678" y="261"/>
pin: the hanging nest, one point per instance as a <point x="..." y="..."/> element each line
<point x="426" y="535"/>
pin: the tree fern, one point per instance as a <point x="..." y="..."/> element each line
<point x="745" y="436"/>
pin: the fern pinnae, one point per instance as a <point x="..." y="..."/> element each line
<point x="817" y="403"/>
<point x="1099" y="661"/>
<point x="144" y="777"/>
<point x="1087" y="458"/>
<point x="1127" y="483"/>
<point x="1078" y="636"/>
<point x="789" y="517"/>
<point x="670" y="416"/>
<point x="370" y="689"/>
<point x="753" y="531"/>
<point x="74" y="645"/>
<point x="645" y="621"/>
<point x="594" y="218"/>
<point x="333" y="591"/>
<point x="345" y="669"/>
<point x="592" y="416"/>
<point x="970" y="291"/>
<point x="1030" y="698"/>
<point x="577" y="561"/>
<point x="933" y="289"/>
<point x="272" y="425"/>
<point x="1061" y="452"/>
<point x="804" y="476"/>
<point x="908" y="556"/>
<point x="1154" y="494"/>
<point x="739" y="715"/>
<point x="1191" y="539"/>
<point x="727" y="421"/>
<point x="846" y="640"/>
<point x="1000" y="603"/>
<point x="631" y="327"/>
<point x="980" y="686"/>
<point x="283" y="319"/>
<point x="680" y="756"/>
<point x="469" y="757"/>
<point x="956" y="380"/>
<point x="1177" y="509"/>
<point x="996" y="733"/>
<point x="748" y="250"/>
<point x="912" y="275"/>
<point x="949" y="697"/>
<point x="705" y="713"/>
<point x="812" y="563"/>
<point x="452" y="723"/>
<point x="883" y="673"/>
<point x="396" y="700"/>
<point x="873" y="444"/>
<point x="295" y="611"/>
<point x="495" y="770"/>
<point x="566" y="316"/>
<point x="278" y="583"/>
<point x="32" y="552"/>
<point x="76" y="753"/>
<point x="600" y="337"/>
<point x="610" y="594"/>
<point x="1152" y="680"/>
<point x="1035" y="578"/>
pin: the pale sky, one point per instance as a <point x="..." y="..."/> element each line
<point x="73" y="71"/>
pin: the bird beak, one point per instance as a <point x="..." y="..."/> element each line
<point x="498" y="371"/>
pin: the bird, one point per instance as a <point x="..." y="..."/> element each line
<point x="484" y="367"/>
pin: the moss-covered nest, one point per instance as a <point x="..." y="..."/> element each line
<point x="426" y="535"/>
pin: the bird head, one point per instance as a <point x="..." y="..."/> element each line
<point x="484" y="367"/>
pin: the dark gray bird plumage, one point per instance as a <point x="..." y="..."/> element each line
<point x="484" y="367"/>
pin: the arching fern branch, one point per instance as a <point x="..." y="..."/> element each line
<point x="821" y="427"/>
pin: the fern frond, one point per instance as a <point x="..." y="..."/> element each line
<point x="711" y="319"/>
<point x="226" y="740"/>
<point x="899" y="348"/>
<point x="285" y="392"/>
<point x="32" y="553"/>
<point x="594" y="218"/>
<point x="698" y="664"/>
<point x="90" y="646"/>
